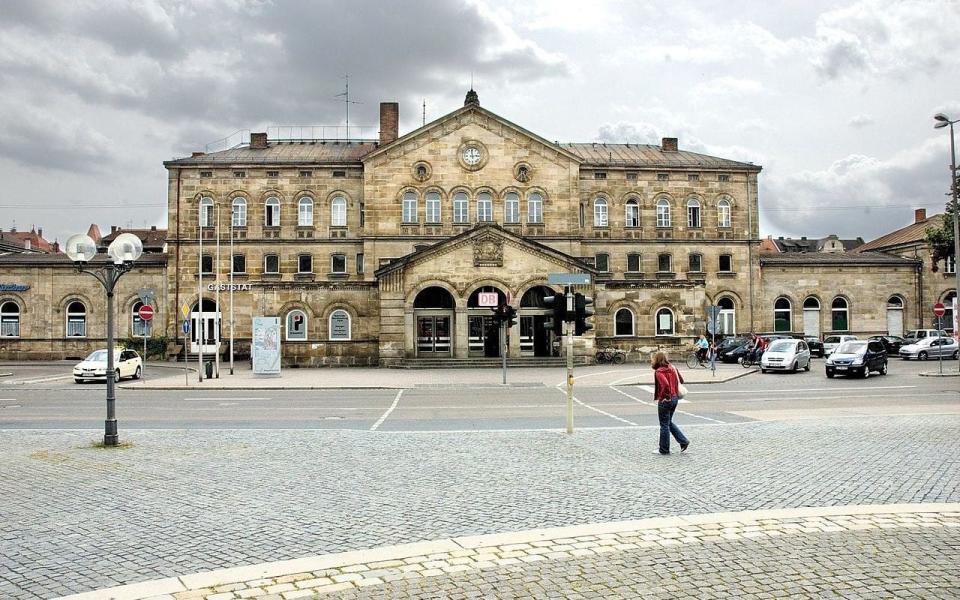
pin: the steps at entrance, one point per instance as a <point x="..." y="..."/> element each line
<point x="482" y="363"/>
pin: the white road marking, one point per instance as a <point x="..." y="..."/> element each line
<point x="38" y="380"/>
<point x="833" y="389"/>
<point x="225" y="398"/>
<point x="564" y="382"/>
<point x="689" y="414"/>
<point x="389" y="410"/>
<point x="602" y="412"/>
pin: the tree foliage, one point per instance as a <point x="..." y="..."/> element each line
<point x="941" y="238"/>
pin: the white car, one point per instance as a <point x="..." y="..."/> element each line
<point x="831" y="342"/>
<point x="931" y="347"/>
<point x="126" y="363"/>
<point x="786" y="355"/>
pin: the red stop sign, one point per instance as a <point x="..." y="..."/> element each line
<point x="938" y="309"/>
<point x="145" y="312"/>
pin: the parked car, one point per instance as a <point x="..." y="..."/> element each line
<point x="831" y="342"/>
<point x="815" y="345"/>
<point x="916" y="335"/>
<point x="126" y="363"/>
<point x="728" y="346"/>
<point x="891" y="343"/>
<point x="931" y="347"/>
<point x="786" y="355"/>
<point x="858" y="357"/>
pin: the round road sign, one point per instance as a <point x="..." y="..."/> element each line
<point x="146" y="312"/>
<point x="939" y="310"/>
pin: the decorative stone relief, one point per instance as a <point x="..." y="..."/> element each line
<point x="488" y="252"/>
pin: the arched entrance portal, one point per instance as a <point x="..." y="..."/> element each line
<point x="207" y="322"/>
<point x="484" y="333"/>
<point x="433" y="311"/>
<point x="535" y="339"/>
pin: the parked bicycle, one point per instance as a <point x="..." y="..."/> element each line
<point x="611" y="355"/>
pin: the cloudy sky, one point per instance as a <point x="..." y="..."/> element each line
<point x="834" y="99"/>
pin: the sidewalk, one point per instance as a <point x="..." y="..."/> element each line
<point x="370" y="377"/>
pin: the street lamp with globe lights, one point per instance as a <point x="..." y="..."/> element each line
<point x="942" y="121"/>
<point x="122" y="252"/>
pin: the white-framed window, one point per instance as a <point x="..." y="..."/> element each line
<point x="727" y="319"/>
<point x="271" y="264"/>
<point x="950" y="265"/>
<point x="484" y="207"/>
<point x="665" y="263"/>
<point x="602" y="262"/>
<point x="782" y="315"/>
<point x="239" y="264"/>
<point x="840" y="314"/>
<point x="296" y="325"/>
<point x="9" y="319"/>
<point x="271" y="215"/>
<point x="461" y="208"/>
<point x="723" y="213"/>
<point x="76" y="319"/>
<point x="631" y="217"/>
<point x="206" y="264"/>
<point x="206" y="211"/>
<point x="664" y="322"/>
<point x="239" y="214"/>
<point x="695" y="263"/>
<point x="693" y="213"/>
<point x="725" y="264"/>
<point x="305" y="212"/>
<point x="534" y="208"/>
<point x="138" y="327"/>
<point x="663" y="212"/>
<point x="511" y="208"/>
<point x="633" y="262"/>
<point x="338" y="263"/>
<point x="600" y="216"/>
<point x="340" y="325"/>
<point x="432" y="205"/>
<point x="409" y="207"/>
<point x="305" y="263"/>
<point x="623" y="323"/>
<point x="338" y="212"/>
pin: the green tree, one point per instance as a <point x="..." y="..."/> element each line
<point x="941" y="238"/>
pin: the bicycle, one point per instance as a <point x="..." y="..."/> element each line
<point x="694" y="360"/>
<point x="748" y="360"/>
<point x="611" y="355"/>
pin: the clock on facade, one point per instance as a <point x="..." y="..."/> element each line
<point x="472" y="155"/>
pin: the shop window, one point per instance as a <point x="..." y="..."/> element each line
<point x="296" y="325"/>
<point x="9" y="319"/>
<point x="76" y="319"/>
<point x="340" y="325"/>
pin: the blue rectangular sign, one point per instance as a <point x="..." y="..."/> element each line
<point x="569" y="278"/>
<point x="186" y="326"/>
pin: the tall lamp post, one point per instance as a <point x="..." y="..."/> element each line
<point x="942" y="121"/>
<point x="122" y="252"/>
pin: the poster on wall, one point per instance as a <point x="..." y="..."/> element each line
<point x="956" y="318"/>
<point x="266" y="346"/>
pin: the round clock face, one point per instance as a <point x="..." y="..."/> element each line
<point x="472" y="155"/>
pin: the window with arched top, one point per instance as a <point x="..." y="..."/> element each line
<point x="600" y="217"/>
<point x="693" y="213"/>
<point x="631" y="217"/>
<point x="461" y="208"/>
<point x="409" y="207"/>
<point x="338" y="212"/>
<point x="484" y="207"/>
<point x="664" y="322"/>
<point x="432" y="207"/>
<point x="305" y="212"/>
<point x="296" y="325"/>
<point x="811" y="303"/>
<point x="76" y="319"/>
<point x="534" y="208"/>
<point x="138" y="327"/>
<point x="271" y="214"/>
<point x="9" y="319"/>
<point x="206" y="211"/>
<point x="840" y="314"/>
<point x="727" y="317"/>
<point x="782" y="315"/>
<point x="239" y="214"/>
<point x="623" y="322"/>
<point x="895" y="302"/>
<point x="663" y="212"/>
<point x="340" y="325"/>
<point x="511" y="207"/>
<point x="723" y="213"/>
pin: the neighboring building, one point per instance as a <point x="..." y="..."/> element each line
<point x="831" y="243"/>
<point x="30" y="241"/>
<point x="154" y="240"/>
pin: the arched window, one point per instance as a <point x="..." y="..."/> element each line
<point x="664" y="322"/>
<point x="811" y="317"/>
<point x="723" y="213"/>
<point x="948" y="314"/>
<point x="239" y="218"/>
<point x="340" y="325"/>
<point x="511" y="208"/>
<point x="305" y="212"/>
<point x="782" y="315"/>
<point x="600" y="213"/>
<point x="811" y="303"/>
<point x="409" y="207"/>
<point x="623" y="322"/>
<point x="296" y="325"/>
<point x="433" y="207"/>
<point x="271" y="215"/>
<point x="484" y="207"/>
<point x="76" y="319"/>
<point x="663" y="212"/>
<point x="895" y="315"/>
<point x="206" y="211"/>
<point x="461" y="208"/>
<point x="338" y="212"/>
<point x="693" y="213"/>
<point x="139" y="327"/>
<point x="631" y="214"/>
<point x="727" y="319"/>
<point x="9" y="319"/>
<point x="839" y="314"/>
<point x="534" y="208"/>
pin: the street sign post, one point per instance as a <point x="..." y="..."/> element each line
<point x="185" y="311"/>
<point x="713" y="312"/>
<point x="568" y="279"/>
<point x="939" y="309"/>
<point x="186" y="327"/>
<point x="146" y="312"/>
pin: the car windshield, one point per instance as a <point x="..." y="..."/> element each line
<point x="781" y="346"/>
<point x="98" y="356"/>
<point x="851" y="347"/>
<point x="833" y="339"/>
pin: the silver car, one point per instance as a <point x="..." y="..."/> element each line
<point x="831" y="342"/>
<point x="786" y="355"/>
<point x="931" y="347"/>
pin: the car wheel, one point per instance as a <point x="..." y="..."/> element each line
<point x="762" y="370"/>
<point x="807" y="368"/>
<point x="116" y="376"/>
<point x="796" y="367"/>
<point x="956" y="354"/>
<point x="829" y="375"/>
<point x="138" y="373"/>
<point x="80" y="381"/>
<point x="866" y="372"/>
<point x="922" y="356"/>
<point x="883" y="369"/>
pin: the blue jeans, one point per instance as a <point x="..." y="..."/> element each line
<point x="665" y="410"/>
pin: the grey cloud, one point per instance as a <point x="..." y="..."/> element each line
<point x="39" y="140"/>
<point x="840" y="56"/>
<point x="860" y="121"/>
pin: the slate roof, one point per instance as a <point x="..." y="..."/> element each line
<point x="62" y="260"/>
<point x="911" y="234"/>
<point x="294" y="153"/>
<point x="812" y="244"/>
<point x="153" y="239"/>
<point x="650" y="156"/>
<point x="837" y="259"/>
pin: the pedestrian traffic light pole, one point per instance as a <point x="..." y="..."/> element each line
<point x="570" y="301"/>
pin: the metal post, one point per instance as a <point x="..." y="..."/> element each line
<point x="956" y="224"/>
<point x="199" y="329"/>
<point x="231" y="290"/>
<point x="143" y="368"/>
<point x="940" y="342"/>
<point x="503" y="349"/>
<point x="569" y="325"/>
<point x="110" y="437"/>
<point x="216" y="279"/>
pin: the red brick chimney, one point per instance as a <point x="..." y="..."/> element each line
<point x="669" y="145"/>
<point x="389" y="121"/>
<point x="258" y="141"/>
<point x="919" y="215"/>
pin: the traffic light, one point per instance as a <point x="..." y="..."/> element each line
<point x="510" y="316"/>
<point x="583" y="312"/>
<point x="558" y="304"/>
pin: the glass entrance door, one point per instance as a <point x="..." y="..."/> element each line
<point x="208" y="329"/>
<point x="484" y="336"/>
<point x="535" y="339"/>
<point x="433" y="335"/>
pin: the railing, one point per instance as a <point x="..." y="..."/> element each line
<point x="317" y="133"/>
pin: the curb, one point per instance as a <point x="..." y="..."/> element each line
<point x="253" y="573"/>
<point x="952" y="374"/>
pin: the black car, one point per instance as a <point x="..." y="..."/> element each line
<point x="891" y="343"/>
<point x="816" y="346"/>
<point x="857" y="357"/>
<point x="728" y="346"/>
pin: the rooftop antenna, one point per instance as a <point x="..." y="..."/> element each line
<point x="347" y="101"/>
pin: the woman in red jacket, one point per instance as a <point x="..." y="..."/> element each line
<point x="667" y="382"/>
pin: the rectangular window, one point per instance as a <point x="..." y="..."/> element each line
<point x="239" y="263"/>
<point x="511" y="208"/>
<point x="602" y="262"/>
<point x="696" y="263"/>
<point x="305" y="263"/>
<point x="360" y="263"/>
<point x="239" y="174"/>
<point x="409" y="208"/>
<point x="206" y="174"/>
<point x="460" y="208"/>
<point x="363" y="214"/>
<point x="693" y="177"/>
<point x="600" y="175"/>
<point x="272" y="217"/>
<point x="306" y="173"/>
<point x="723" y="177"/>
<point x="271" y="263"/>
<point x="339" y="173"/>
<point x="726" y="263"/>
<point x="273" y="173"/>
<point x="663" y="176"/>
<point x="76" y="325"/>
<point x="950" y="265"/>
<point x="633" y="263"/>
<point x="534" y="208"/>
<point x="338" y="263"/>
<point x="631" y="176"/>
<point x="664" y="263"/>
<point x="206" y="264"/>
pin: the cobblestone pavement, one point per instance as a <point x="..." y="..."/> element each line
<point x="77" y="518"/>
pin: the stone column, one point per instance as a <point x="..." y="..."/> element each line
<point x="461" y="335"/>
